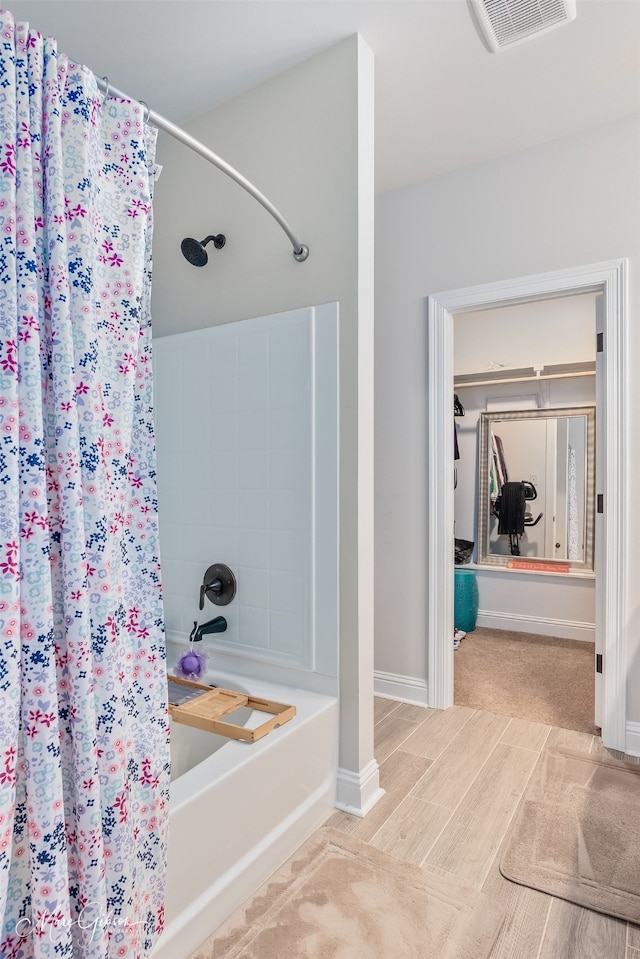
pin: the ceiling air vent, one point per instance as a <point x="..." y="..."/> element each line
<point x="505" y="23"/>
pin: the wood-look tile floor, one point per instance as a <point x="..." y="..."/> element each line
<point x="453" y="781"/>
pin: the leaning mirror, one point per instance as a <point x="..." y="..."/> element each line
<point x="536" y="481"/>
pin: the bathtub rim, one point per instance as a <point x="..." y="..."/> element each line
<point x="234" y="753"/>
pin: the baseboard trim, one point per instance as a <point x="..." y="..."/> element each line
<point x="562" y="628"/>
<point x="405" y="689"/>
<point x="632" y="747"/>
<point x="357" y="793"/>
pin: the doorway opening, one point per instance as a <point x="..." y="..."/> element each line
<point x="525" y="415"/>
<point x="609" y="280"/>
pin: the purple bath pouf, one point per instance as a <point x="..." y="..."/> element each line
<point x="191" y="664"/>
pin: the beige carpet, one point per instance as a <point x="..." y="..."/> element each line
<point x="577" y="833"/>
<point x="339" y="898"/>
<point x="540" y="678"/>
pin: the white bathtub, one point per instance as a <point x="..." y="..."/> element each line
<point x="238" y="810"/>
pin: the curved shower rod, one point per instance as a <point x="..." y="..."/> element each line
<point x="300" y="250"/>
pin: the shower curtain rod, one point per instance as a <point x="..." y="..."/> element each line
<point x="300" y="250"/>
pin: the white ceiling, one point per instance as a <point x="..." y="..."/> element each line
<point x="442" y="100"/>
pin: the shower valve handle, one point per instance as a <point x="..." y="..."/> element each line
<point x="218" y="586"/>
<point x="215" y="587"/>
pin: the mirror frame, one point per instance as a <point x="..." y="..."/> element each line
<point x="484" y="557"/>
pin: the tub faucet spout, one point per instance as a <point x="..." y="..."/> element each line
<point x="216" y="625"/>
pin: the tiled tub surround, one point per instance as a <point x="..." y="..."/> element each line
<point x="237" y="810"/>
<point x="247" y="433"/>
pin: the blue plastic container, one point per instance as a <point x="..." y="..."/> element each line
<point x="465" y="600"/>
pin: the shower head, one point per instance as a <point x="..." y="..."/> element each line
<point x="194" y="250"/>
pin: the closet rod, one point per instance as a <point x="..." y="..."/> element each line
<point x="300" y="250"/>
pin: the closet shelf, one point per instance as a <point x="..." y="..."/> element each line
<point x="554" y="371"/>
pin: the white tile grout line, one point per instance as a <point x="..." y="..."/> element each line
<point x="416" y="799"/>
<point x="531" y="749"/>
<point x="544" y="928"/>
<point x="390" y="713"/>
<point x="444" y="748"/>
<point x="396" y="747"/>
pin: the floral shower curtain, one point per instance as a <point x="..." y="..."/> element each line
<point x="84" y="763"/>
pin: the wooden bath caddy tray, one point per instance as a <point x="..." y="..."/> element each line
<point x="194" y="704"/>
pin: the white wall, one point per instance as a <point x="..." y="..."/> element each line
<point x="246" y="424"/>
<point x="570" y="202"/>
<point x="538" y="603"/>
<point x="305" y="138"/>
<point x="540" y="333"/>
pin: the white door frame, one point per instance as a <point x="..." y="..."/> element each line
<point x="610" y="279"/>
